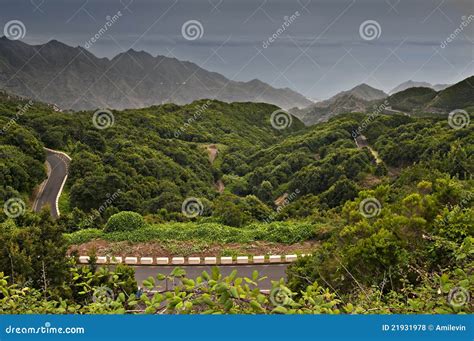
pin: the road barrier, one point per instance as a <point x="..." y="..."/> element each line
<point x="210" y="260"/>
<point x="131" y="260"/>
<point x="239" y="260"/>
<point x="162" y="260"/>
<point x="243" y="260"/>
<point x="226" y="260"/>
<point x="146" y="260"/>
<point x="275" y="259"/>
<point x="177" y="260"/>
<point x="194" y="260"/>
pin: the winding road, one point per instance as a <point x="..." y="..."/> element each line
<point x="50" y="190"/>
<point x="389" y="110"/>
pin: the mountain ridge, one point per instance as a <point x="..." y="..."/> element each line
<point x="74" y="78"/>
<point x="423" y="99"/>
<point x="415" y="84"/>
<point x="356" y="99"/>
<point x="411" y="100"/>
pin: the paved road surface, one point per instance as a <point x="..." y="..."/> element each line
<point x="48" y="194"/>
<point x="393" y="111"/>
<point x="273" y="271"/>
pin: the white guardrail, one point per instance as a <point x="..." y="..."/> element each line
<point x="274" y="259"/>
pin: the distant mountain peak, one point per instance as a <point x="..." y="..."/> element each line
<point x="132" y="79"/>
<point x="427" y="99"/>
<point x="56" y="42"/>
<point x="365" y="85"/>
<point x="362" y="91"/>
<point x="417" y="84"/>
<point x="357" y="99"/>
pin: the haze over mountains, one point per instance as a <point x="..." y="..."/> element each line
<point x="411" y="100"/>
<point x="357" y="99"/>
<point x="414" y="84"/>
<point x="73" y="78"/>
<point x="419" y="99"/>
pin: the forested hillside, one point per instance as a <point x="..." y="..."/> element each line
<point x="389" y="223"/>
<point x="422" y="100"/>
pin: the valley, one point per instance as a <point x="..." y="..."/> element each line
<point x="359" y="187"/>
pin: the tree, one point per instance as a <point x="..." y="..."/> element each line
<point x="33" y="251"/>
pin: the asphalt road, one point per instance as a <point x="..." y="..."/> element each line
<point x="393" y="111"/>
<point x="273" y="272"/>
<point x="50" y="189"/>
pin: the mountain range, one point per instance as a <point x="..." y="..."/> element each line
<point x="414" y="84"/>
<point x="364" y="98"/>
<point x="420" y="99"/>
<point x="73" y="78"/>
<point x="357" y="99"/>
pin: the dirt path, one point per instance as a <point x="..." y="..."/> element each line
<point x="220" y="186"/>
<point x="213" y="152"/>
<point x="280" y="201"/>
<point x="361" y="142"/>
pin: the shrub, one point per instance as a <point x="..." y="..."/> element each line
<point x="124" y="221"/>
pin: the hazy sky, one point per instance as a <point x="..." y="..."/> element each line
<point x="320" y="53"/>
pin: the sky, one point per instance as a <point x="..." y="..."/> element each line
<point x="322" y="50"/>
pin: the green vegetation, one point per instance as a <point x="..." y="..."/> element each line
<point x="124" y="221"/>
<point x="458" y="96"/>
<point x="395" y="237"/>
<point x="426" y="100"/>
<point x="21" y="153"/>
<point x="278" y="232"/>
<point x="413" y="234"/>
<point x="412" y="99"/>
<point x="93" y="292"/>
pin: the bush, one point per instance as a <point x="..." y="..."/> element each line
<point x="276" y="232"/>
<point x="124" y="221"/>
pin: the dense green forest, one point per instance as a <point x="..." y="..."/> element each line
<point x="392" y="233"/>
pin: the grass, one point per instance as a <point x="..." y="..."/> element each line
<point x="277" y="232"/>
